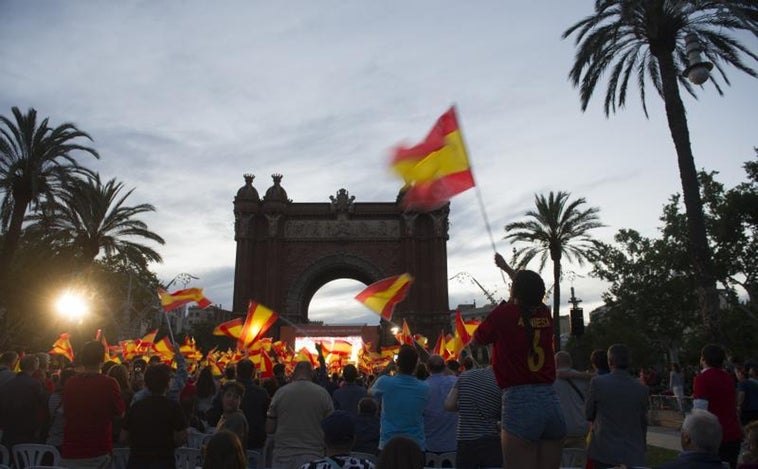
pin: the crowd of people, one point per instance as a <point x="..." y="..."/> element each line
<point x="521" y="411"/>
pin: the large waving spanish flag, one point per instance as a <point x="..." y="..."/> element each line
<point x="259" y="319"/>
<point x="382" y="296"/>
<point x="435" y="169"/>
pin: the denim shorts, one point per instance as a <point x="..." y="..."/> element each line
<point x="532" y="412"/>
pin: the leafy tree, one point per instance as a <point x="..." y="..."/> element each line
<point x="93" y="217"/>
<point x="645" y="39"/>
<point x="653" y="283"/>
<point x="650" y="301"/>
<point x="557" y="228"/>
<point x="34" y="161"/>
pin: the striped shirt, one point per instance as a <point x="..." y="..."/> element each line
<point x="479" y="399"/>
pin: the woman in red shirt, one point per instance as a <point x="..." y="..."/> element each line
<point x="521" y="331"/>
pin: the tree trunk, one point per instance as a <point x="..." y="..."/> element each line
<point x="700" y="252"/>
<point x="12" y="236"/>
<point x="557" y="302"/>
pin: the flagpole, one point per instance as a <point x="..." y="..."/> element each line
<point x="170" y="331"/>
<point x="478" y="192"/>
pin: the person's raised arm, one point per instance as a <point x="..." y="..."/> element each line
<point x="500" y="262"/>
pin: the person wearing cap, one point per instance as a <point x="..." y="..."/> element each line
<point x="339" y="433"/>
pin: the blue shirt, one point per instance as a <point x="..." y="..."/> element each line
<point x="439" y="424"/>
<point x="403" y="399"/>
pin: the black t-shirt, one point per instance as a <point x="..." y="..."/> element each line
<point x="151" y="423"/>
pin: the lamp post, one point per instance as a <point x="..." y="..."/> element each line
<point x="699" y="69"/>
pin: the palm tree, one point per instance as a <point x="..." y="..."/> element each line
<point x="646" y="40"/>
<point x="556" y="229"/>
<point x="35" y="160"/>
<point x="92" y="218"/>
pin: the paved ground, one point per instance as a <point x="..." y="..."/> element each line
<point x="664" y="437"/>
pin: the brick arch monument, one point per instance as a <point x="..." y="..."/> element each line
<point x="287" y="250"/>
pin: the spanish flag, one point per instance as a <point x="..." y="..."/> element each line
<point x="171" y="301"/>
<point x="439" y="346"/>
<point x="231" y="329"/>
<point x="62" y="347"/>
<point x="435" y="169"/>
<point x="382" y="296"/>
<point x="405" y="336"/>
<point x="259" y="319"/>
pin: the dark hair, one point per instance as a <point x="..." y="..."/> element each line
<point x="29" y="363"/>
<point x="401" y="452"/>
<point x="349" y="372"/>
<point x="230" y="372"/>
<point x="713" y="355"/>
<point x="468" y="363"/>
<point x="224" y="449"/>
<point x="529" y="289"/>
<point x="92" y="354"/>
<point x="107" y="366"/>
<point x="245" y="368"/>
<point x="153" y="360"/>
<point x="206" y="386"/>
<point x="157" y="378"/>
<point x="619" y="356"/>
<point x="279" y="369"/>
<point x="139" y="364"/>
<point x="453" y="365"/>
<point x="675" y="367"/>
<point x="407" y="358"/>
<point x="421" y="371"/>
<point x="599" y="359"/>
<point x="235" y="386"/>
<point x="66" y="373"/>
<point x="367" y="405"/>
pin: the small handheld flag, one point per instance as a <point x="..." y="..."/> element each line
<point x="171" y="301"/>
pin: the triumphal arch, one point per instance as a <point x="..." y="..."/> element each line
<point x="287" y="250"/>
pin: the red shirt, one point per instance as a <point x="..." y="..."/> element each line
<point x="90" y="402"/>
<point x="511" y="359"/>
<point x="717" y="387"/>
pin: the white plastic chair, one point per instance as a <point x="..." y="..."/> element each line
<point x="120" y="457"/>
<point x="573" y="457"/>
<point x="360" y="455"/>
<point x="254" y="459"/>
<point x="29" y="454"/>
<point x="194" y="437"/>
<point x="187" y="458"/>
<point x="440" y="460"/>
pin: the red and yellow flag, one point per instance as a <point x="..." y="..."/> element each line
<point x="382" y="296"/>
<point x="149" y="338"/>
<point x="439" y="346"/>
<point x="179" y="298"/>
<point x="231" y="329"/>
<point x="405" y="336"/>
<point x="62" y="347"/>
<point x="259" y="319"/>
<point x="435" y="169"/>
<point x="164" y="349"/>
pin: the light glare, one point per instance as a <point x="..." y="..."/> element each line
<point x="72" y="305"/>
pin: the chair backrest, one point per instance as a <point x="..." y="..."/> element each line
<point x="371" y="457"/>
<point x="28" y="454"/>
<point x="194" y="437"/>
<point x="573" y="457"/>
<point x="5" y="456"/>
<point x="440" y="460"/>
<point x="187" y="458"/>
<point x="120" y="457"/>
<point x="254" y="459"/>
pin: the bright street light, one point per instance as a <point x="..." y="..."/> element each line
<point x="72" y="305"/>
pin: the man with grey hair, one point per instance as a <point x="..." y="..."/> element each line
<point x="572" y="393"/>
<point x="701" y="438"/>
<point x="294" y="418"/>
<point x="439" y="424"/>
<point x="617" y="405"/>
